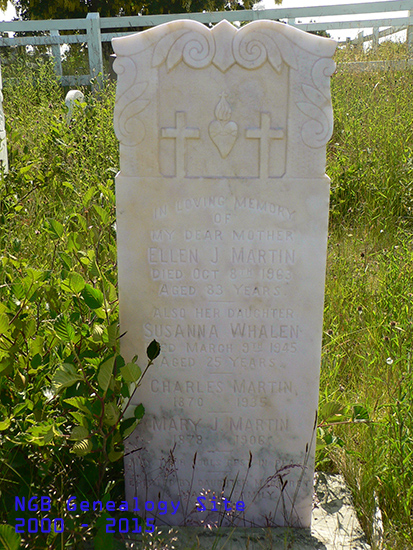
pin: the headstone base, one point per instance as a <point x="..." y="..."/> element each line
<point x="334" y="527"/>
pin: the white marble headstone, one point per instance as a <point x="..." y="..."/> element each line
<point x="222" y="212"/>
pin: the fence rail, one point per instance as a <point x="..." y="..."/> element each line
<point x="89" y="30"/>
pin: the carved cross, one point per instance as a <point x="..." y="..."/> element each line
<point x="180" y="134"/>
<point x="264" y="134"/>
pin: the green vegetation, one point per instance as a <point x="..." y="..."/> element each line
<point x="63" y="383"/>
<point x="368" y="330"/>
<point x="58" y="301"/>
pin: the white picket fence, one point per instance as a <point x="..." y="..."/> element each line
<point x="92" y="30"/>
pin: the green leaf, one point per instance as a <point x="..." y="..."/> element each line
<point x="9" y="539"/>
<point x="4" y="323"/>
<point x="333" y="412"/>
<point x="153" y="350"/>
<point x="111" y="292"/>
<point x="105" y="373"/>
<point x="115" y="455"/>
<point x="103" y="540"/>
<point x="4" y="424"/>
<point x="110" y="335"/>
<point x="65" y="260"/>
<point x="36" y="275"/>
<point x="55" y="228"/>
<point x="127" y="426"/>
<point x="65" y="376"/>
<point x="88" y="195"/>
<point x="125" y="390"/>
<point x="36" y="361"/>
<point x="80" y="403"/>
<point x="79" y="433"/>
<point x="97" y="333"/>
<point x="120" y="362"/>
<point x="327" y="439"/>
<point x="6" y="367"/>
<point x="19" y="407"/>
<point x="93" y="267"/>
<point x="104" y="216"/>
<point x="131" y="372"/>
<point x="18" y="290"/>
<point x="360" y="413"/>
<point x="64" y="329"/>
<point x="30" y="328"/>
<point x="77" y="283"/>
<point x="112" y="414"/>
<point x="79" y="417"/>
<point x="74" y="283"/>
<point x="139" y="412"/>
<point x="92" y="296"/>
<point x="20" y="381"/>
<point x="42" y="433"/>
<point x="74" y="242"/>
<point x="82" y="448"/>
<point x="25" y="169"/>
<point x="37" y="345"/>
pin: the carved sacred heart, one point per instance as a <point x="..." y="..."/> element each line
<point x="223" y="131"/>
<point x="224" y="136"/>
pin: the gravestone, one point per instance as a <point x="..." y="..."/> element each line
<point x="222" y="212"/>
<point x="70" y="101"/>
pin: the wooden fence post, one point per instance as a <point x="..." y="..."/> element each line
<point x="410" y="32"/>
<point x="94" y="46"/>
<point x="56" y="55"/>
<point x="376" y="36"/>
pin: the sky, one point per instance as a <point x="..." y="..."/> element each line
<point x="340" y="35"/>
<point x="9" y="14"/>
<point x="337" y="35"/>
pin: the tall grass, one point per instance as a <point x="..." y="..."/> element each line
<point x="368" y="330"/>
<point x="60" y="170"/>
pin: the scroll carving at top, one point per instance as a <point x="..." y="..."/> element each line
<point x="318" y="130"/>
<point x="129" y="103"/>
<point x="253" y="46"/>
<point x="195" y="47"/>
<point x="250" y="47"/>
<point x="230" y="84"/>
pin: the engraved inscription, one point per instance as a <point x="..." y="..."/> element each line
<point x="241" y="424"/>
<point x="186" y="386"/>
<point x="262" y="235"/>
<point x="172" y="255"/>
<point x="263" y="387"/>
<point x="223" y="338"/>
<point x="180" y="331"/>
<point x="262" y="256"/>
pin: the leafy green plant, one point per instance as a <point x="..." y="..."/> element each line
<point x="333" y="415"/>
<point x="65" y="389"/>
